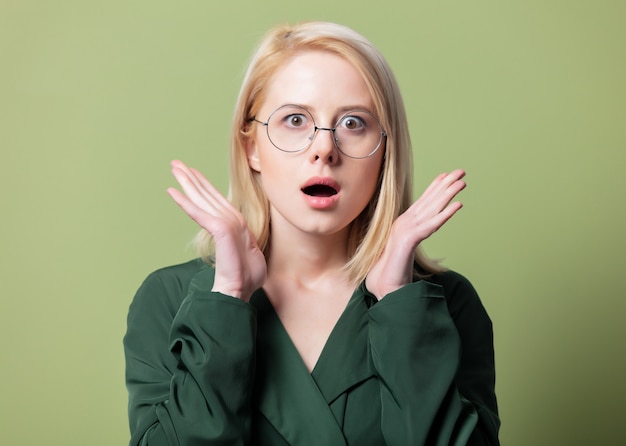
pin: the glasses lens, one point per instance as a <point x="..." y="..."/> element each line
<point x="358" y="134"/>
<point x="290" y="128"/>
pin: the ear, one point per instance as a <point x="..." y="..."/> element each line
<point x="253" y="155"/>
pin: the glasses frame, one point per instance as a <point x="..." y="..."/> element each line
<point x="383" y="133"/>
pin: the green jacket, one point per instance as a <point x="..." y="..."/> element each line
<point x="203" y="368"/>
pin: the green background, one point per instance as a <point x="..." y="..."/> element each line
<point x="97" y="97"/>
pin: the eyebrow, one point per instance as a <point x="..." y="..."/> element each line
<point x="343" y="109"/>
<point x="338" y="113"/>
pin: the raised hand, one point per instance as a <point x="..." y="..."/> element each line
<point x="240" y="267"/>
<point x="430" y="212"/>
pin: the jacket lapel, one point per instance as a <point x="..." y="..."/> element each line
<point x="344" y="362"/>
<point x="285" y="392"/>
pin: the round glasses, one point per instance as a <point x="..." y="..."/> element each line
<point x="356" y="134"/>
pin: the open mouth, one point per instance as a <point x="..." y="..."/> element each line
<point x="319" y="190"/>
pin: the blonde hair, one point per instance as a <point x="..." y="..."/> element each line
<point x="370" y="230"/>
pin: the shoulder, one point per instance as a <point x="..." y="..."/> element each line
<point x="177" y="274"/>
<point x="452" y="282"/>
<point x="461" y="296"/>
<point x="166" y="287"/>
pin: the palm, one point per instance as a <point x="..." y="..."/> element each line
<point x="240" y="266"/>
<point x="431" y="211"/>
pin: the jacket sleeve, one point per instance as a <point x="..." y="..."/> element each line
<point x="437" y="378"/>
<point x="189" y="363"/>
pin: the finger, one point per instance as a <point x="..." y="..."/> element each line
<point x="443" y="201"/>
<point x="439" y="184"/>
<point x="441" y="191"/>
<point x="182" y="171"/>
<point x="434" y="184"/>
<point x="207" y="198"/>
<point x="431" y="204"/>
<point x="202" y="186"/>
<point x="448" y="212"/>
<point x="200" y="190"/>
<point x="212" y="190"/>
<point x="187" y="205"/>
<point x="191" y="189"/>
<point x="215" y="224"/>
<point x="445" y="180"/>
<point x="453" y="190"/>
<point x="435" y="223"/>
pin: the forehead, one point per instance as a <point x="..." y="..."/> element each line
<point x="321" y="81"/>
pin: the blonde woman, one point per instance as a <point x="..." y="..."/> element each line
<point x="312" y="316"/>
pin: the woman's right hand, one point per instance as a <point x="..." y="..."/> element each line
<point x="240" y="267"/>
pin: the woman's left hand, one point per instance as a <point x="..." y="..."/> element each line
<point x="430" y="212"/>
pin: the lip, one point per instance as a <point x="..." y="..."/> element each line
<point x="321" y="201"/>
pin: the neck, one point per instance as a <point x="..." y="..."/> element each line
<point x="304" y="259"/>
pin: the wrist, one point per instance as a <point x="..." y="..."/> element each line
<point x="231" y="290"/>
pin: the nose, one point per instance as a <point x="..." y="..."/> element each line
<point x="323" y="146"/>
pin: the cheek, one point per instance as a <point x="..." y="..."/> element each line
<point x="373" y="172"/>
<point x="368" y="186"/>
<point x="275" y="174"/>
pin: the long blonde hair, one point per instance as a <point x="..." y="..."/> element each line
<point x="370" y="230"/>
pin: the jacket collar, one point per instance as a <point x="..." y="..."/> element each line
<point x="295" y="401"/>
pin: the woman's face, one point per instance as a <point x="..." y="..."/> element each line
<point x="318" y="191"/>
